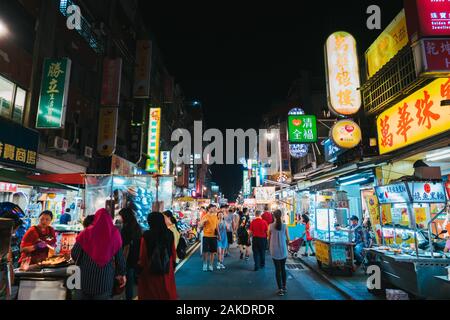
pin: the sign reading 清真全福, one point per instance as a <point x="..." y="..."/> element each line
<point x="18" y="145"/>
<point x="54" y="92"/>
<point x="302" y="128"/>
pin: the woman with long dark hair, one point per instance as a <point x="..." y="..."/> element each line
<point x="278" y="244"/>
<point x="131" y="238"/>
<point x="156" y="261"/>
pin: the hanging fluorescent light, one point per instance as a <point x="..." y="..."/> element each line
<point x="353" y="181"/>
<point x="445" y="156"/>
<point x="348" y="177"/>
<point x="438" y="155"/>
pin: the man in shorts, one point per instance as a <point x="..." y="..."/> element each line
<point x="211" y="234"/>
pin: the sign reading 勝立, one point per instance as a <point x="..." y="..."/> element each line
<point x="54" y="92"/>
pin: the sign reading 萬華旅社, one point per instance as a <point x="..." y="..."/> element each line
<point x="54" y="92"/>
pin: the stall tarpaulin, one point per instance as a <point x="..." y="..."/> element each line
<point x="138" y="192"/>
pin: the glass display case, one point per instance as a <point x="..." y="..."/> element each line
<point x="334" y="246"/>
<point x="411" y="256"/>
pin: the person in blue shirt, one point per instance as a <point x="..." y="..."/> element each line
<point x="65" y="217"/>
<point x="358" y="239"/>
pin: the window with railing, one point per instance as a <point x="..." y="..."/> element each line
<point x="395" y="80"/>
<point x="12" y="100"/>
<point x="86" y="30"/>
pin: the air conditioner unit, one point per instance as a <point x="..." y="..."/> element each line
<point x="88" y="152"/>
<point x="58" y="143"/>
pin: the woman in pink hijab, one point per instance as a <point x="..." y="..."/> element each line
<point x="98" y="253"/>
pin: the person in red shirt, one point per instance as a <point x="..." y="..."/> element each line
<point x="258" y="230"/>
<point x="38" y="239"/>
<point x="267" y="215"/>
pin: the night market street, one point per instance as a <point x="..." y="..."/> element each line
<point x="239" y="282"/>
<point x="141" y="140"/>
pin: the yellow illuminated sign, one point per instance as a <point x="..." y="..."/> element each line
<point x="346" y="134"/>
<point x="387" y="45"/>
<point x="342" y="73"/>
<point x="154" y="128"/>
<point x="415" y="118"/>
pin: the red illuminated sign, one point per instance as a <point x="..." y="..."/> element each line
<point x="8" y="187"/>
<point x="427" y="18"/>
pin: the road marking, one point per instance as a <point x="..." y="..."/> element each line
<point x="194" y="249"/>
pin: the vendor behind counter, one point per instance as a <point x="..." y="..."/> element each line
<point x="39" y="239"/>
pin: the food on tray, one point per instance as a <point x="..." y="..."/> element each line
<point x="53" y="261"/>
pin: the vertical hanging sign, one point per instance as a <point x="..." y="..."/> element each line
<point x="107" y="131"/>
<point x="342" y="74"/>
<point x="154" y="127"/>
<point x="54" y="92"/>
<point x="165" y="162"/>
<point x="142" y="69"/>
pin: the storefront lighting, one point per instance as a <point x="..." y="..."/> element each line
<point x="3" y="29"/>
<point x="118" y="181"/>
<point x="348" y="177"/>
<point x="353" y="181"/>
<point x="179" y="169"/>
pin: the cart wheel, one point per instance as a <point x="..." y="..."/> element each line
<point x="295" y="255"/>
<point x="377" y="292"/>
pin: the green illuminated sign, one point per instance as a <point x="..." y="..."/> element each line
<point x="54" y="92"/>
<point x="302" y="129"/>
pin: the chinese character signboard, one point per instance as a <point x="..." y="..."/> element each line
<point x="332" y="151"/>
<point x="112" y="72"/>
<point x="427" y="192"/>
<point x="415" y="118"/>
<point x="432" y="56"/>
<point x="427" y="18"/>
<point x="246" y="183"/>
<point x="264" y="195"/>
<point x="191" y="172"/>
<point x="107" y="131"/>
<point x="54" y="92"/>
<point x="342" y="73"/>
<point x="346" y="134"/>
<point x="18" y="145"/>
<point x="165" y="162"/>
<point x="8" y="187"/>
<point x="302" y="129"/>
<point x="154" y="127"/>
<point x="393" y="193"/>
<point x="387" y="45"/>
<point x="142" y="69"/>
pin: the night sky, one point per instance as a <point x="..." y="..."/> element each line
<point x="238" y="60"/>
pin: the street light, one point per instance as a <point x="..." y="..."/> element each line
<point x="3" y="29"/>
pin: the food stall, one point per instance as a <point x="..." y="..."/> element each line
<point x="142" y="193"/>
<point x="411" y="257"/>
<point x="334" y="248"/>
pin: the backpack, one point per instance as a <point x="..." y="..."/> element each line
<point x="182" y="248"/>
<point x="160" y="261"/>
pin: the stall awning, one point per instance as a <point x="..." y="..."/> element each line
<point x="62" y="178"/>
<point x="18" y="177"/>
